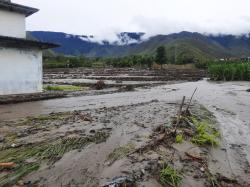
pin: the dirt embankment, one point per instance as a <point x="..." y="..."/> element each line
<point x="132" y="145"/>
<point x="46" y="95"/>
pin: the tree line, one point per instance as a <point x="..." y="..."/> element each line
<point x="140" y="61"/>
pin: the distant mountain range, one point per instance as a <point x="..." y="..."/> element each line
<point x="128" y="43"/>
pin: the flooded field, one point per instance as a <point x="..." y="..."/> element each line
<point x="124" y="138"/>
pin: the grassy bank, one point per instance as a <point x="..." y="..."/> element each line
<point x="63" y="88"/>
<point x="230" y="71"/>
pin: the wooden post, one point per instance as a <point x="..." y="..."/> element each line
<point x="190" y="101"/>
<point x="179" y="114"/>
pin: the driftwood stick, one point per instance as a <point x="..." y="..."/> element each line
<point x="179" y="114"/>
<point x="190" y="100"/>
<point x="7" y="165"/>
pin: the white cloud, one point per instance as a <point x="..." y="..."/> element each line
<point x="103" y="18"/>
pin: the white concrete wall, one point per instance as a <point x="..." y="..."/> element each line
<point x="20" y="71"/>
<point x="12" y="24"/>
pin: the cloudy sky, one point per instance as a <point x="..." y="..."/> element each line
<point x="103" y="18"/>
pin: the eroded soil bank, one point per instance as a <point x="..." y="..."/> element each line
<point x="94" y="139"/>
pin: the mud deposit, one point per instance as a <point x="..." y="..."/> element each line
<point x="114" y="80"/>
<point x="120" y="77"/>
<point x="129" y="145"/>
<point x="126" y="74"/>
<point x="127" y="138"/>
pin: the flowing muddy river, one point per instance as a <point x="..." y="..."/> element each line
<point x="229" y="102"/>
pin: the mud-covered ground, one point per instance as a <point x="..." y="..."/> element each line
<point x="126" y="74"/>
<point x="114" y="80"/>
<point x="99" y="146"/>
<point x="127" y="137"/>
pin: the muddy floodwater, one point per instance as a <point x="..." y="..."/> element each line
<point x="228" y="101"/>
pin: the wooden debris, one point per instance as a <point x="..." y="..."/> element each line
<point x="7" y="164"/>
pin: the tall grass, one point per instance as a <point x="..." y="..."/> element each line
<point x="229" y="71"/>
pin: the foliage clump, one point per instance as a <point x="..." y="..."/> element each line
<point x="170" y="177"/>
<point x="179" y="138"/>
<point x="206" y="134"/>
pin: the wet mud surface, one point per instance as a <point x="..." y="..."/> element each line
<point x="128" y="121"/>
<point x="114" y="80"/>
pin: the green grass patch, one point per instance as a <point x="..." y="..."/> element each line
<point x="63" y="88"/>
<point x="43" y="118"/>
<point x="206" y="133"/>
<point x="179" y="138"/>
<point x="120" y="152"/>
<point x="170" y="177"/>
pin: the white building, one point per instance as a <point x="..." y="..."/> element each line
<point x="20" y="59"/>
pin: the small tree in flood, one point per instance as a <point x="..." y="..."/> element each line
<point x="161" y="56"/>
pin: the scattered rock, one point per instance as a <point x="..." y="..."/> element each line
<point x="202" y="169"/>
<point x="13" y="145"/>
<point x="92" y="131"/>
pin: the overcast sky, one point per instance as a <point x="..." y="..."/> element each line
<point x="105" y="17"/>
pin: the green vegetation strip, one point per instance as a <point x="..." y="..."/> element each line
<point x="63" y="88"/>
<point x="229" y="71"/>
<point x="170" y="177"/>
<point x="47" y="152"/>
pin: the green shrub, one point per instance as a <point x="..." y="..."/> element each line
<point x="206" y="134"/>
